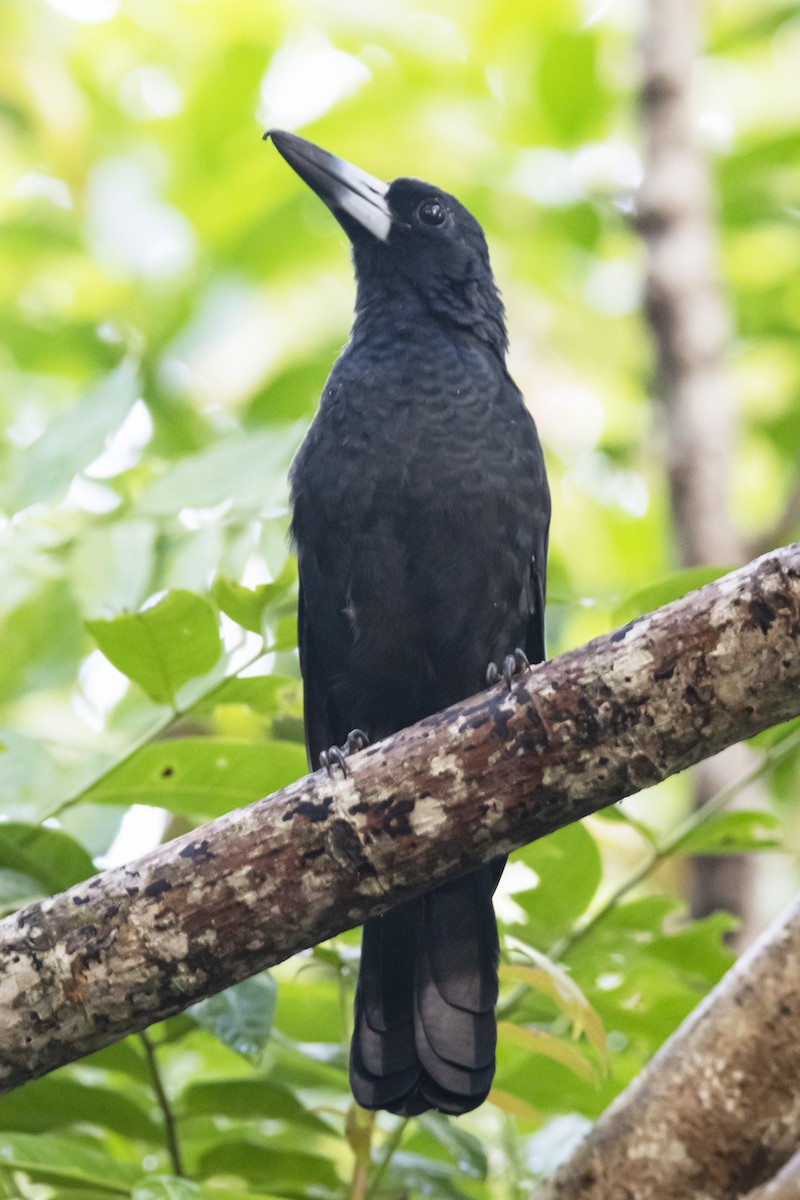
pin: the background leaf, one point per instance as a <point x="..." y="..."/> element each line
<point x="242" y="1015"/>
<point x="164" y="646"/>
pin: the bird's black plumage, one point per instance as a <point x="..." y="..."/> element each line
<point x="420" y="517"/>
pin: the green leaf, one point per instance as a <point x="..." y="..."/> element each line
<point x="247" y="1100"/>
<point x="568" y="870"/>
<point x="412" y="1174"/>
<point x="27" y="776"/>
<point x="111" y="565"/>
<point x="737" y="832"/>
<point x="241" y="1016"/>
<point x="663" y="591"/>
<point x="277" y="1168"/>
<point x="245" y="472"/>
<point x="164" y="646"/>
<point x="201" y="776"/>
<point x="66" y="1160"/>
<point x="167" y="1187"/>
<point x="537" y="1041"/>
<point x="42" y="640"/>
<point x="50" y="1103"/>
<point x="248" y="606"/>
<point x="73" y="439"/>
<point x="243" y="605"/>
<point x="17" y="890"/>
<point x="262" y="693"/>
<point x="54" y="859"/>
<point x="553" y="981"/>
<point x="467" y="1152"/>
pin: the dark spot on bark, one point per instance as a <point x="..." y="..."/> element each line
<point x="112" y="911"/>
<point x="197" y="850"/>
<point x="786" y="664"/>
<point x="101" y="1020"/>
<point x="550" y="797"/>
<point x="15" y="958"/>
<point x="309" y="855"/>
<point x="132" y="891"/>
<point x="500" y="717"/>
<point x="157" y="888"/>
<point x="619" y="635"/>
<point x="361" y="807"/>
<point x="313" y="812"/>
<point x="96" y="882"/>
<point x="345" y="846"/>
<point x="167" y="771"/>
<point x="585" y="721"/>
<point x="642" y="772"/>
<point x="81" y="900"/>
<point x="602" y="761"/>
<point x="691" y="695"/>
<point x="664" y="673"/>
<point x="30" y="915"/>
<point x="395" y="821"/>
<point x="476" y="721"/>
<point x="761" y="615"/>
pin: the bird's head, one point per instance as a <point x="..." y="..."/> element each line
<point x="406" y="236"/>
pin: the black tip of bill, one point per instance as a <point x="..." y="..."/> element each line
<point x="347" y="190"/>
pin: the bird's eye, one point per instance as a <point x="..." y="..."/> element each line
<point x="431" y="212"/>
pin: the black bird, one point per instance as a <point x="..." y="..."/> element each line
<point x="420" y="516"/>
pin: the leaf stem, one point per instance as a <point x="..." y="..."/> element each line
<point x="672" y="843"/>
<point x="390" y="1146"/>
<point x="168" y="1117"/>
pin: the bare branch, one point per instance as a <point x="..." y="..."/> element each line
<point x="717" y="1111"/>
<point x="142" y="942"/>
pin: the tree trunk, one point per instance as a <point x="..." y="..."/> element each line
<point x="691" y="328"/>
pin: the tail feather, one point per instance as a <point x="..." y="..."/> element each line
<point x="425" y="1030"/>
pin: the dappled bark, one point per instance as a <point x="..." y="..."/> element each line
<point x="717" y="1111"/>
<point x="691" y="327"/>
<point x="143" y="941"/>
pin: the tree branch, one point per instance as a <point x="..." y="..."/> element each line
<point x="716" y="1111"/>
<point x="141" y="942"/>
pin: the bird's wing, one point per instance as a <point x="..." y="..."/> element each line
<point x="323" y="725"/>
<point x="534" y="638"/>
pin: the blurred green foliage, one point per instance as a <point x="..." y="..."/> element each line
<point x="171" y="299"/>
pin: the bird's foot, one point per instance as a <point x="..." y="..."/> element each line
<point x="513" y="665"/>
<point x="337" y="756"/>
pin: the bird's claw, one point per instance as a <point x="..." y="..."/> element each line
<point x="337" y="756"/>
<point x="513" y="664"/>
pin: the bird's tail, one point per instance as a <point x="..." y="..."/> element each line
<point x="425" y="1030"/>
